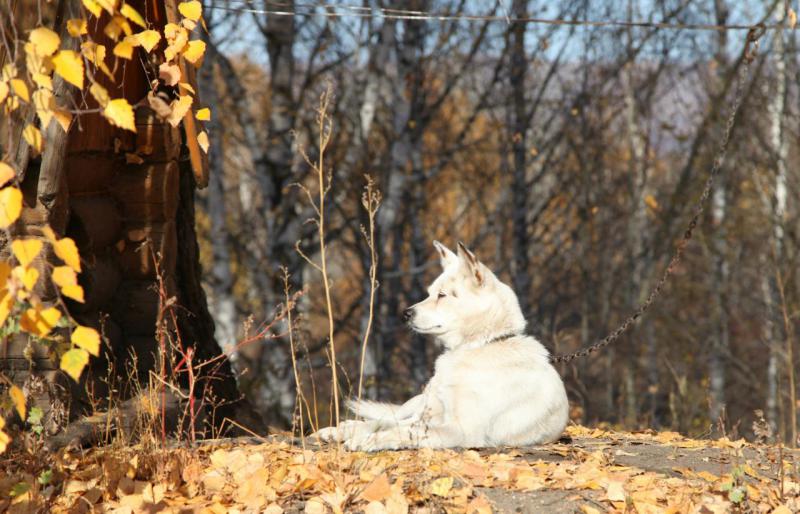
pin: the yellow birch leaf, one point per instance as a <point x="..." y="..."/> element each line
<point x="108" y="5"/>
<point x="6" y="306"/>
<point x="20" y="88"/>
<point x="188" y="24"/>
<point x="88" y="339"/>
<point x="42" y="80"/>
<point x="96" y="54"/>
<point x="33" y="137"/>
<point x="28" y="276"/>
<point x="116" y="27"/>
<point x="77" y="27"/>
<point x="148" y="39"/>
<point x="3" y="91"/>
<point x="120" y="113"/>
<point x="169" y="73"/>
<point x="10" y="206"/>
<point x="202" y="140"/>
<point x="6" y="173"/>
<point x="179" y="109"/>
<point x="69" y="65"/>
<point x="792" y="18"/>
<point x="64" y="276"/>
<point x="187" y="87"/>
<point x="64" y="118"/>
<point x="100" y="94"/>
<point x="93" y="7"/>
<point x="131" y="13"/>
<point x="65" y="249"/>
<point x="4" y="438"/>
<point x="192" y="10"/>
<point x="73" y="362"/>
<point x="44" y="104"/>
<point x="203" y="114"/>
<point x="124" y="49"/>
<point x="25" y="250"/>
<point x="193" y="52"/>
<point x="39" y="322"/>
<point x="5" y="272"/>
<point x="45" y="41"/>
<point x="74" y="291"/>
<point x="18" y="399"/>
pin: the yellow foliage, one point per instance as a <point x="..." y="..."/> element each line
<point x="100" y="94"/>
<point x="69" y="65"/>
<point x="179" y="109"/>
<point x="6" y="173"/>
<point x="120" y="113"/>
<point x="124" y="49"/>
<point x="131" y="13"/>
<point x="45" y="41"/>
<point x="202" y="140"/>
<point x="192" y="10"/>
<point x="93" y="7"/>
<point x="77" y="27"/>
<point x="4" y="438"/>
<point x="194" y="51"/>
<point x="73" y="362"/>
<point x="39" y="322"/>
<point x="148" y="39"/>
<point x="27" y="276"/>
<point x="10" y="206"/>
<point x="18" y="399"/>
<point x="88" y="339"/>
<point x="25" y="250"/>
<point x="65" y="249"/>
<point x="203" y="114"/>
<point x="33" y="137"/>
<point x="74" y="291"/>
<point x="20" y="88"/>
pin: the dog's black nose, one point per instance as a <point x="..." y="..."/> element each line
<point x="407" y="314"/>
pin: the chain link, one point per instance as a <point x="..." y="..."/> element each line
<point x="748" y="55"/>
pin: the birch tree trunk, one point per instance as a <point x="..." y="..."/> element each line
<point x="519" y="122"/>
<point x="720" y="339"/>
<point x="221" y="304"/>
<point x="779" y="146"/>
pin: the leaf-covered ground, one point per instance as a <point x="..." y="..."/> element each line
<point x="596" y="471"/>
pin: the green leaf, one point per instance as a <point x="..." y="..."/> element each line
<point x="20" y="489"/>
<point x="737" y="495"/>
<point x="35" y="416"/>
<point x="45" y="477"/>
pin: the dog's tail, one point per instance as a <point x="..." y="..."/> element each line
<point x="387" y="412"/>
<point x="375" y="410"/>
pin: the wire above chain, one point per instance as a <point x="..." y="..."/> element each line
<point x="354" y="11"/>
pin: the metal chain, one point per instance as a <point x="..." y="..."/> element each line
<point x="748" y="55"/>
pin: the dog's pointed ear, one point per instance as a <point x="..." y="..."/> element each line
<point x="446" y="256"/>
<point x="471" y="264"/>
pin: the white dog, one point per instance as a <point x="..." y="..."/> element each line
<point x="492" y="386"/>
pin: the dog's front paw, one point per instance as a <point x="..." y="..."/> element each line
<point x="371" y="443"/>
<point x="326" y="434"/>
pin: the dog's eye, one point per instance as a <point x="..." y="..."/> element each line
<point x="442" y="294"/>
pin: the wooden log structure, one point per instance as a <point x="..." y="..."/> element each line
<point x="128" y="201"/>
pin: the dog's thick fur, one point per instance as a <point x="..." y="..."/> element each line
<point x="492" y="386"/>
